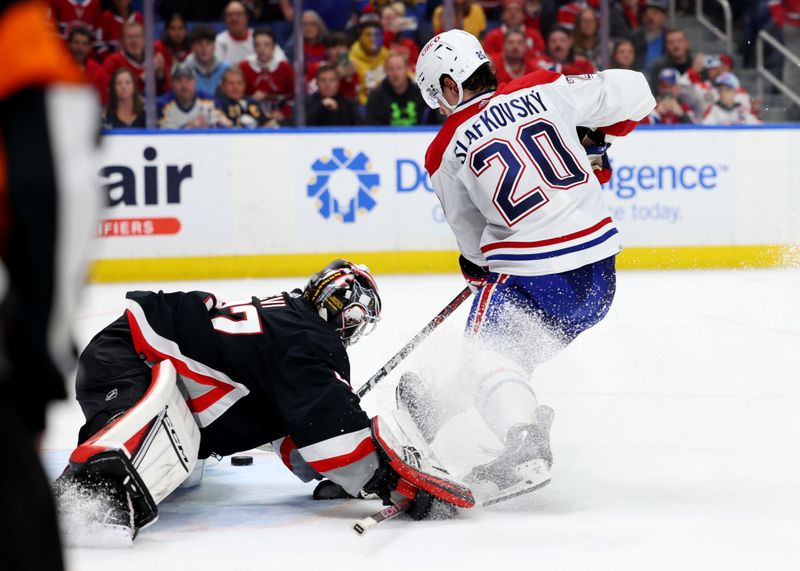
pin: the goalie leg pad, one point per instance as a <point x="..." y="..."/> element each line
<point x="419" y="468"/>
<point x="151" y="448"/>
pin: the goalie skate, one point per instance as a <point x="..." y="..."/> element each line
<point x="421" y="404"/>
<point x="523" y="468"/>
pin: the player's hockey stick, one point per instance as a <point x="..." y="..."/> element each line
<point x="362" y="525"/>
<point x="411" y="345"/>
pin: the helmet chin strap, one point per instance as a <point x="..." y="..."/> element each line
<point x="444" y="102"/>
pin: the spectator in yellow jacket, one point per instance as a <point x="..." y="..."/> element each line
<point x="469" y="16"/>
<point x="369" y="55"/>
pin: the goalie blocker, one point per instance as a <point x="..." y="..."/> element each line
<point x="142" y="455"/>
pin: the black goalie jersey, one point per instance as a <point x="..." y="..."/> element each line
<point x="252" y="372"/>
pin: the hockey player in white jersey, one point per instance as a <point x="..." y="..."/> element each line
<point x="519" y="188"/>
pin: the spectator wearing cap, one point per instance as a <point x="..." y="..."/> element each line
<point x="559" y="56"/>
<point x="337" y="51"/>
<point x="327" y="107"/>
<point x="241" y="111"/>
<point x="728" y="111"/>
<point x="111" y="23"/>
<point x="512" y="62"/>
<point x="669" y="110"/>
<point x="469" y="16"/>
<point x="513" y="18"/>
<point x="394" y="23"/>
<point x="79" y="43"/>
<point x="125" y="107"/>
<point x="369" y="55"/>
<point x="701" y="81"/>
<point x="269" y="80"/>
<point x="203" y="60"/>
<point x="174" y="45"/>
<point x="70" y="14"/>
<point x="185" y="108"/>
<point x="786" y="15"/>
<point x="585" y="39"/>
<point x="131" y="55"/>
<point x="650" y="38"/>
<point x="677" y="54"/>
<point x="623" y="55"/>
<point x="397" y="101"/>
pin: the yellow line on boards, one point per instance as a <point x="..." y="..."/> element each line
<point x="418" y="262"/>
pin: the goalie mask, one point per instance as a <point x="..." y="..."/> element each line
<point x="346" y="296"/>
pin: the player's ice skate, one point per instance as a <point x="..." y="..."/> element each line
<point x="524" y="466"/>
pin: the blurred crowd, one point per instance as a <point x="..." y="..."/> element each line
<point x="231" y="63"/>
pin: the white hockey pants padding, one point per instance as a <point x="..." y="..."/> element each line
<point x="158" y="434"/>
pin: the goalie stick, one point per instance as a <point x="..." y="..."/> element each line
<point x="362" y="526"/>
<point x="416" y="340"/>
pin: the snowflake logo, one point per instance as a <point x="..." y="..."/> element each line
<point x="343" y="185"/>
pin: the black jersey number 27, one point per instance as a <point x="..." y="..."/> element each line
<point x="541" y="144"/>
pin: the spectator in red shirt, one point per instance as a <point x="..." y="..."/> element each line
<point x="540" y="15"/>
<point x="786" y="14"/>
<point x="337" y="50"/>
<point x="174" y="44"/>
<point x="559" y="56"/>
<point x="270" y="81"/>
<point x="79" y="43"/>
<point x="568" y="12"/>
<point x="314" y="33"/>
<point x="585" y="40"/>
<point x="70" y="14"/>
<point x="131" y="55"/>
<point x="125" y="107"/>
<point x="513" y="17"/>
<point x="111" y="25"/>
<point x="511" y="63"/>
<point x="394" y="22"/>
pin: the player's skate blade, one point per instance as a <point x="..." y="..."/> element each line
<point x="523" y="467"/>
<point x="538" y="477"/>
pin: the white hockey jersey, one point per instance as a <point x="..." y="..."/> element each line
<point x="514" y="180"/>
<point x="718" y="114"/>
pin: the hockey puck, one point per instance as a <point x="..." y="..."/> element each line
<point x="241" y="460"/>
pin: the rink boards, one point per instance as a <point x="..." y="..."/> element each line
<point x="223" y="204"/>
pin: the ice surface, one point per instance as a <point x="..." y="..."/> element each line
<point x="676" y="444"/>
